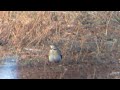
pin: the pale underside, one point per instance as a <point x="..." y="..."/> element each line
<point x="55" y="56"/>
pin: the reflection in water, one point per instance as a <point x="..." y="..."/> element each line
<point x="8" y="70"/>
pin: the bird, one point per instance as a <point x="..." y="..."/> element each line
<point x="55" y="54"/>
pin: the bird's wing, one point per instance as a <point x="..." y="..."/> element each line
<point x="61" y="56"/>
<point x="59" y="52"/>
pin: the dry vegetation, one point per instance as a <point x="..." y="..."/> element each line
<point x="89" y="41"/>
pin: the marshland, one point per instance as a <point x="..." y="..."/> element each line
<point x="89" y="42"/>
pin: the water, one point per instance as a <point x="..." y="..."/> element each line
<point x="8" y="69"/>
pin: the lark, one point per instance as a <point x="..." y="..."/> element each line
<point x="55" y="54"/>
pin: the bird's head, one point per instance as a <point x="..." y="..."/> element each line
<point x="53" y="47"/>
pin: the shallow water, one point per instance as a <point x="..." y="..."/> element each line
<point x="8" y="68"/>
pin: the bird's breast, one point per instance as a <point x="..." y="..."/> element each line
<point x="54" y="56"/>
